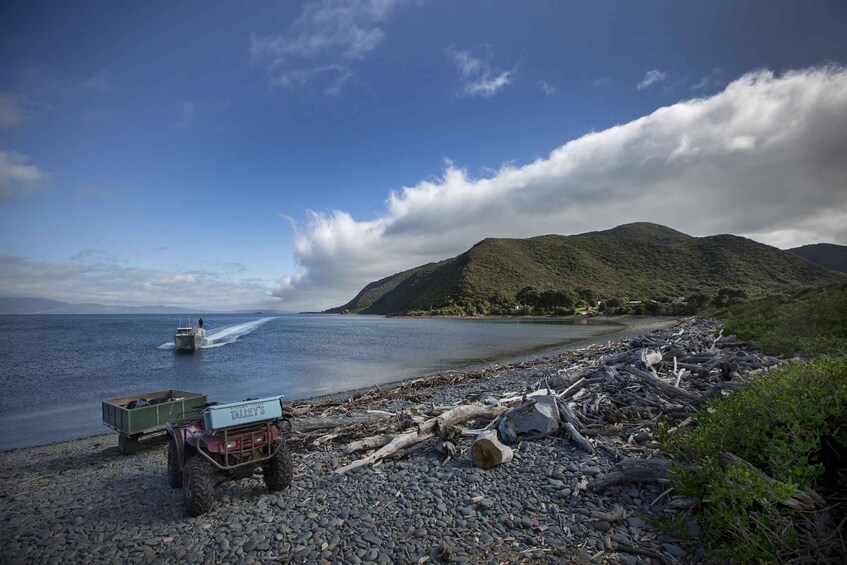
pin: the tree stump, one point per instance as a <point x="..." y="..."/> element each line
<point x="487" y="451"/>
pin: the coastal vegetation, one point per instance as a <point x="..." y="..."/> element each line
<point x="806" y="321"/>
<point x="752" y="455"/>
<point x="636" y="268"/>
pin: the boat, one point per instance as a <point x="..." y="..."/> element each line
<point x="190" y="337"/>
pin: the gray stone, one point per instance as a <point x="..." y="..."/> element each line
<point x="372" y="538"/>
<point x="674" y="550"/>
<point x="602" y="526"/>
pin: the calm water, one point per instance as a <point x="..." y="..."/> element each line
<point x="55" y="370"/>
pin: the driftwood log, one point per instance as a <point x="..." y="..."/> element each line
<point x="799" y="500"/>
<point x="633" y="470"/>
<point x="487" y="451"/>
<point x="368" y="443"/>
<point x="426" y="430"/>
<point x="538" y="416"/>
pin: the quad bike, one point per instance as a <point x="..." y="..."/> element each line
<point x="228" y="442"/>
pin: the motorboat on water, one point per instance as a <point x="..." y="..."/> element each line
<point x="190" y="337"/>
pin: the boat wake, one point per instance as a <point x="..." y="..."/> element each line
<point x="227" y="335"/>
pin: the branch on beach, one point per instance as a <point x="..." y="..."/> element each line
<point x="427" y="430"/>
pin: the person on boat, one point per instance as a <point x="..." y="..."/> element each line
<point x="200" y="322"/>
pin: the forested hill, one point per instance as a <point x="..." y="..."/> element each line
<point x="638" y="261"/>
<point x="829" y="255"/>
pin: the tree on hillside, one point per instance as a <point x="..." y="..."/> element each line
<point x="729" y="297"/>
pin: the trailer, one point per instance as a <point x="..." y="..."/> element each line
<point x="146" y="415"/>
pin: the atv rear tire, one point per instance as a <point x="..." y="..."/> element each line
<point x="174" y="472"/>
<point x="198" y="485"/>
<point x="279" y="471"/>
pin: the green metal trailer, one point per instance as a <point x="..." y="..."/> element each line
<point x="150" y="420"/>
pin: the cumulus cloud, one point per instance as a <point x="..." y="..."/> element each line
<point x="762" y="158"/>
<point x="324" y="42"/>
<point x="106" y="283"/>
<point x="18" y="178"/>
<point x="652" y="77"/>
<point x="478" y="77"/>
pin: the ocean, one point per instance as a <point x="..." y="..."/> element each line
<point x="55" y="370"/>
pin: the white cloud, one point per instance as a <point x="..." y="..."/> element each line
<point x="478" y="77"/>
<point x="764" y="157"/>
<point x="546" y="88"/>
<point x="105" y="283"/>
<point x="18" y="178"/>
<point x="652" y="77"/>
<point x="324" y="42"/>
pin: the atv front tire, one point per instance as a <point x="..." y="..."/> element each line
<point x="174" y="472"/>
<point x="280" y="470"/>
<point x="198" y="485"/>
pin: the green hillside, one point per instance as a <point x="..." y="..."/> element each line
<point x="829" y="255"/>
<point x="638" y="261"/>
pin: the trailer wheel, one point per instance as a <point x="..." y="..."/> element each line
<point x="198" y="486"/>
<point x="279" y="471"/>
<point x="174" y="472"/>
<point x="127" y="444"/>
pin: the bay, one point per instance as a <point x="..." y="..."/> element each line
<point x="55" y="370"/>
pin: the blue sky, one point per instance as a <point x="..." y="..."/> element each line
<point x="160" y="152"/>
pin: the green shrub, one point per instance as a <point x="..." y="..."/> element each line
<point x="809" y="321"/>
<point x="778" y="424"/>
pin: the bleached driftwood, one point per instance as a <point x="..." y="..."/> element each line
<point x="578" y="438"/>
<point x="660" y="386"/>
<point x="799" y="500"/>
<point x="487" y="451"/>
<point x="572" y="425"/>
<point x="368" y="443"/>
<point x="425" y="431"/>
<point x="616" y="514"/>
<point x="537" y="416"/>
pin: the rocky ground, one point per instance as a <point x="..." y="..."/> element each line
<point x="81" y="501"/>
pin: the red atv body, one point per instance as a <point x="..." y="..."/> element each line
<point x="201" y="457"/>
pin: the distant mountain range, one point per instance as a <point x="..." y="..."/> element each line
<point x="639" y="261"/>
<point x="19" y="305"/>
<point x="829" y="255"/>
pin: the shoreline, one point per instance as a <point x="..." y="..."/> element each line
<point x="630" y="326"/>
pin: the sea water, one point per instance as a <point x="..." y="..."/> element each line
<point x="55" y="370"/>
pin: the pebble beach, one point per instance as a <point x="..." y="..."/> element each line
<point x="81" y="501"/>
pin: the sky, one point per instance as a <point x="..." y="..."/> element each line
<point x="282" y="155"/>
